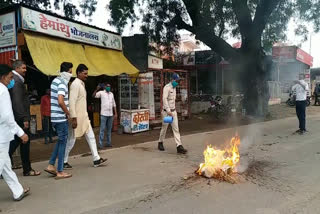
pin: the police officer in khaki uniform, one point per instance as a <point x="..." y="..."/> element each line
<point x="169" y="108"/>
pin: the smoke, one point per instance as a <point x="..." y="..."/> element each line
<point x="250" y="137"/>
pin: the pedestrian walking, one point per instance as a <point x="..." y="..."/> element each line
<point x="301" y="88"/>
<point x="21" y="111"/>
<point x="9" y="128"/>
<point x="80" y="120"/>
<point x="108" y="112"/>
<point x="169" y="109"/>
<point x="59" y="118"/>
<point x="46" y="118"/>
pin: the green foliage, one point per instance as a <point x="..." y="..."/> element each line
<point x="69" y="9"/>
<point x="263" y="20"/>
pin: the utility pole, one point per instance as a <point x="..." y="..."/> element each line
<point x="310" y="44"/>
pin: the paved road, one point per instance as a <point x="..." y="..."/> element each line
<point x="281" y="176"/>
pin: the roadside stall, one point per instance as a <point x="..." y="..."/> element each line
<point x="44" y="40"/>
<point x="142" y="95"/>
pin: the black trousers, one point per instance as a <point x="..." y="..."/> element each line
<point x="316" y="99"/>
<point x="301" y="114"/>
<point x="24" y="150"/>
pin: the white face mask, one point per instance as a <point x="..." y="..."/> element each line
<point x="66" y="76"/>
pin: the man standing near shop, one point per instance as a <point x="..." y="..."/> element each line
<point x="301" y="88"/>
<point x="9" y="128"/>
<point x="46" y="119"/>
<point x="169" y="109"/>
<point x="80" y="120"/>
<point x="108" y="106"/>
<point x="21" y="111"/>
<point x="59" y="118"/>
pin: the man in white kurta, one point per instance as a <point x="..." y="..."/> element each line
<point x="80" y="120"/>
<point x="9" y="128"/>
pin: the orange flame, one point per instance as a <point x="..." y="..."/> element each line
<point x="217" y="160"/>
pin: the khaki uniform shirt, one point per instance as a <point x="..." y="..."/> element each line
<point x="78" y="107"/>
<point x="169" y="97"/>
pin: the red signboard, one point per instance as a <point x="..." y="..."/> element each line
<point x="304" y="57"/>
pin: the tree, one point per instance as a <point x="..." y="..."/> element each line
<point x="258" y="23"/>
<point x="69" y="10"/>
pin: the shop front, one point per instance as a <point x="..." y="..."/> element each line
<point x="290" y="62"/>
<point x="143" y="93"/>
<point x="44" y="41"/>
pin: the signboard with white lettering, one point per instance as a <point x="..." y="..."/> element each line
<point x="7" y="30"/>
<point x="134" y="121"/>
<point x="155" y="62"/>
<point x="40" y="22"/>
<point x="140" y="121"/>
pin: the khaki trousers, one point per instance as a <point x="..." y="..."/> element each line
<point x="174" y="126"/>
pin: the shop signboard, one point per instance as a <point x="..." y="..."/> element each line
<point x="189" y="59"/>
<point x="291" y="54"/>
<point x="134" y="121"/>
<point x="304" y="57"/>
<point x="7" y="30"/>
<point x="39" y="22"/>
<point x="140" y="121"/>
<point x="155" y="62"/>
<point x="287" y="52"/>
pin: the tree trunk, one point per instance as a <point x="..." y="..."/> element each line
<point x="255" y="73"/>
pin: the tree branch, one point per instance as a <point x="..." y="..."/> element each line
<point x="241" y="9"/>
<point x="217" y="44"/>
<point x="182" y="24"/>
<point x="204" y="31"/>
<point x="263" y="12"/>
<point x="193" y="9"/>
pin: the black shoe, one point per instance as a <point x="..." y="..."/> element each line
<point x="160" y="146"/>
<point x="67" y="166"/>
<point x="108" y="146"/>
<point x="181" y="150"/>
<point x="99" y="162"/>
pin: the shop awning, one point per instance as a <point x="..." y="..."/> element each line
<point x="48" y="53"/>
<point x="112" y="62"/>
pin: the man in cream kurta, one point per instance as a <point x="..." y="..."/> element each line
<point x="80" y="119"/>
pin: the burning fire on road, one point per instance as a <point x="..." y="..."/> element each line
<point x="221" y="163"/>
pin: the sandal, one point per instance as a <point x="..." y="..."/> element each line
<point x="32" y="172"/>
<point x="65" y="175"/>
<point x="24" y="194"/>
<point x="51" y="172"/>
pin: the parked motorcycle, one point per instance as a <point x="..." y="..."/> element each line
<point x="217" y="108"/>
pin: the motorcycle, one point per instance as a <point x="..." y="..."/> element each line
<point x="217" y="109"/>
<point x="292" y="100"/>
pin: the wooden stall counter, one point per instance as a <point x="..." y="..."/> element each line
<point x="35" y="111"/>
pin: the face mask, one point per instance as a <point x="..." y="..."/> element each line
<point x="11" y="84"/>
<point x="174" y="84"/>
<point x="108" y="89"/>
<point x="66" y="76"/>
